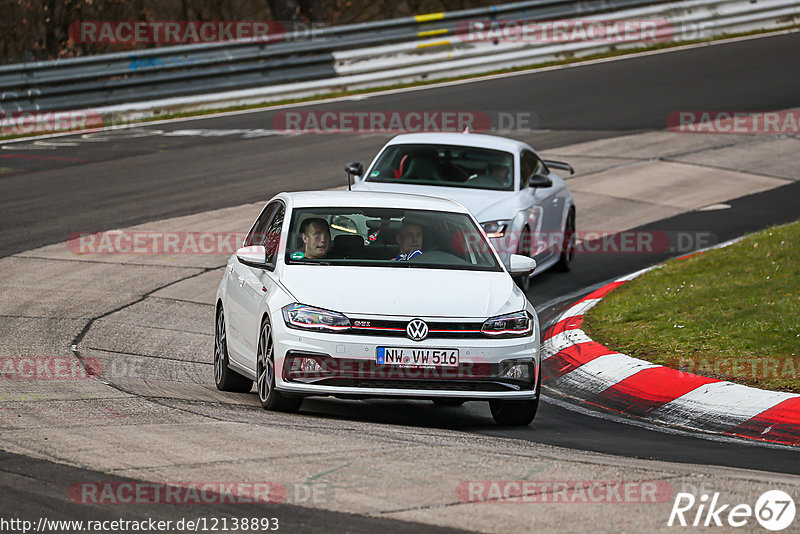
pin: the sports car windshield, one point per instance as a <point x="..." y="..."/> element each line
<point x="388" y="237"/>
<point x="445" y="165"/>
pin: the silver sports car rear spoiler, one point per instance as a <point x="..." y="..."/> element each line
<point x="560" y="165"/>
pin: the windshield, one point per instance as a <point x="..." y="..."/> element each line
<point x="388" y="237"/>
<point x="445" y="165"/>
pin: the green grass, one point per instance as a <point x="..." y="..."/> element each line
<point x="336" y="94"/>
<point x="731" y="313"/>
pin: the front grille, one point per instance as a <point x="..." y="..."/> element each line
<point x="436" y="330"/>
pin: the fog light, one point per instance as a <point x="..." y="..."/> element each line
<point x="309" y="365"/>
<point x="519" y="371"/>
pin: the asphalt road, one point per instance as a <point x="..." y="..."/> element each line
<point x="33" y="490"/>
<point x="75" y="184"/>
<point x="117" y="180"/>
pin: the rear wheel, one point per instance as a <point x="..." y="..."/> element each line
<point x="524" y="249"/>
<point x="567" y="245"/>
<point x="270" y="398"/>
<point x="225" y="378"/>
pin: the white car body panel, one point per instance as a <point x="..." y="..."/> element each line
<point x="543" y="211"/>
<point x="369" y="293"/>
<point x="444" y="293"/>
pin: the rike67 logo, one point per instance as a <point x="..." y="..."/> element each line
<point x="774" y="510"/>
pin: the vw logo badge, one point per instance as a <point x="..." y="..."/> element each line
<point x="417" y="330"/>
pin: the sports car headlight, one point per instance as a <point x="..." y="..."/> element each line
<point x="307" y="318"/>
<point x="512" y="325"/>
<point x="495" y="228"/>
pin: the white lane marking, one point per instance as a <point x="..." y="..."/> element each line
<point x="715" y="207"/>
<point x="561" y="341"/>
<point x="629" y="277"/>
<point x="599" y="374"/>
<point x="578" y="309"/>
<point x="711" y="404"/>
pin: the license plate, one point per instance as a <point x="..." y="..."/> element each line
<point x="413" y="357"/>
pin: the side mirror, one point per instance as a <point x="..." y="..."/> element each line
<point x="540" y="180"/>
<point x="255" y="256"/>
<point x="519" y="265"/>
<point x="355" y="168"/>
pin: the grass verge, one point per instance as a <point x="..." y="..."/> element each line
<point x="731" y="313"/>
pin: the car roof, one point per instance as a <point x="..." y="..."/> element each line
<point x="461" y="139"/>
<point x="370" y="199"/>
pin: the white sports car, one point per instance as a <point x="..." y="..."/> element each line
<point x="523" y="207"/>
<point x="326" y="297"/>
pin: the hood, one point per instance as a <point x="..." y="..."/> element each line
<point x="484" y="204"/>
<point x="408" y="292"/>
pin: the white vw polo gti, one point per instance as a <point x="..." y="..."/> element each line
<point x="369" y="294"/>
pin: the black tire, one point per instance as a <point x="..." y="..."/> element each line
<point x="448" y="402"/>
<point x="516" y="413"/>
<point x="568" y="245"/>
<point x="226" y="378"/>
<point x="265" y="371"/>
<point x="524" y="249"/>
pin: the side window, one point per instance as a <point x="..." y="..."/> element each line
<point x="273" y="234"/>
<point x="259" y="231"/>
<point x="530" y="164"/>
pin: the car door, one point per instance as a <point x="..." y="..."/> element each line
<point x="261" y="282"/>
<point x="552" y="201"/>
<point x="245" y="293"/>
<point x="535" y="203"/>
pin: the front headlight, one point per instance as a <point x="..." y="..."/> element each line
<point x="308" y="318"/>
<point x="495" y="228"/>
<point x="512" y="325"/>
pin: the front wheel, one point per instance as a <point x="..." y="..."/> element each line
<point x="514" y="413"/>
<point x="225" y="378"/>
<point x="270" y="398"/>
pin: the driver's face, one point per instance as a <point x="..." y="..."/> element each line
<point x="410" y="238"/>
<point x="317" y="238"/>
<point x="500" y="173"/>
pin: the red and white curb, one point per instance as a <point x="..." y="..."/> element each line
<point x="577" y="367"/>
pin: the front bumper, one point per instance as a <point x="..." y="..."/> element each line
<point x="349" y="369"/>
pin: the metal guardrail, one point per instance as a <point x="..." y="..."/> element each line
<point x="343" y="57"/>
<point x="140" y="75"/>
